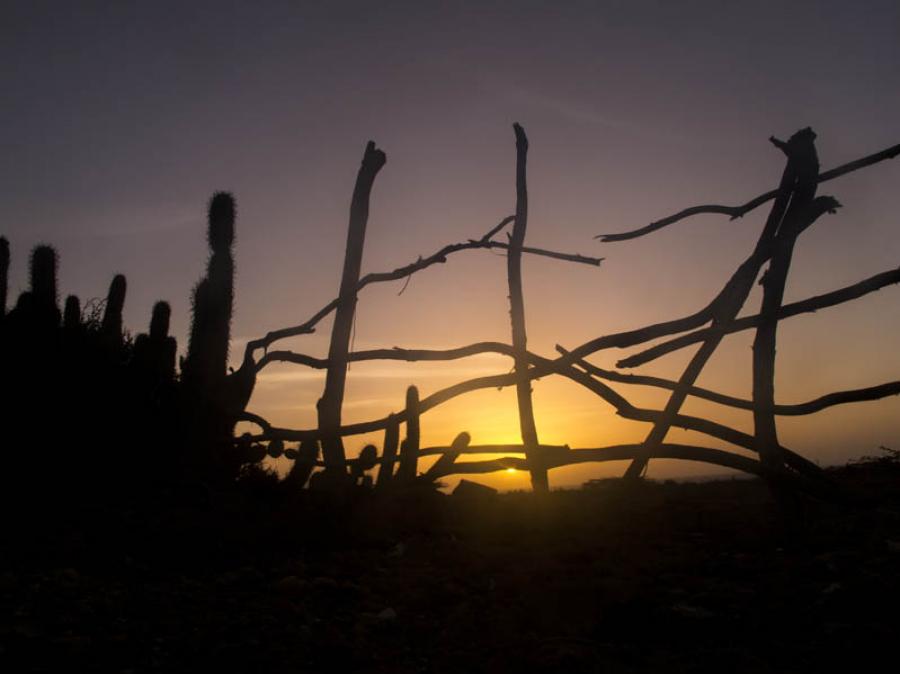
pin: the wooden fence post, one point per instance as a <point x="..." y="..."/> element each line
<point x="539" y="481"/>
<point x="800" y="149"/>
<point x="409" y="450"/>
<point x="329" y="405"/>
<point x="389" y="453"/>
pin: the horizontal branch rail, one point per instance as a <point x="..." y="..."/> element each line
<point x="544" y="367"/>
<point x="405" y="271"/>
<point x="740" y="211"/>
<point x="796" y="409"/>
<point x="616" y="453"/>
<point x="682" y="452"/>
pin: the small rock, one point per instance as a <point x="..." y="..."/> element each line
<point x="834" y="587"/>
<point x="69" y="575"/>
<point x="290" y="586"/>
<point x="227" y="578"/>
<point x="469" y="489"/>
<point x="387" y="614"/>
<point x="690" y="611"/>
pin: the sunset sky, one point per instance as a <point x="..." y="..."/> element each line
<point x="119" y="121"/>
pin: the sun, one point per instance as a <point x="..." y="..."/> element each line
<point x="510" y="470"/>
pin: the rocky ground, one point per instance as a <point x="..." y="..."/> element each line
<point x="611" y="578"/>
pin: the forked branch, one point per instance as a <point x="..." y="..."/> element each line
<point x="735" y="212"/>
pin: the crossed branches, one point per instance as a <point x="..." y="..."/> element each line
<point x="795" y="208"/>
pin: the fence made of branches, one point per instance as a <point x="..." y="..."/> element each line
<point x="795" y="207"/>
<point x="80" y="364"/>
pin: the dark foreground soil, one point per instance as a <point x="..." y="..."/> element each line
<point x="613" y="578"/>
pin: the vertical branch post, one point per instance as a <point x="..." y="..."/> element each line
<point x="329" y="405"/>
<point x="409" y="450"/>
<point x="304" y="464"/>
<point x="388" y="453"/>
<point x="539" y="481"/>
<point x="728" y="304"/>
<point x="802" y="150"/>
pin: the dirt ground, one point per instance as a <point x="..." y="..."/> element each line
<point x="610" y="578"/>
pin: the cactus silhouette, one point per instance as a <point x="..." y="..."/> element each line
<point x="72" y="314"/>
<point x="111" y="327"/>
<point x="213" y="300"/>
<point x="37" y="312"/>
<point x="212" y="399"/>
<point x="4" y="274"/>
<point x="154" y="353"/>
<point x="159" y="320"/>
<point x="43" y="275"/>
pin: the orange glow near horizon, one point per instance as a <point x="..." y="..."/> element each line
<point x="567" y="414"/>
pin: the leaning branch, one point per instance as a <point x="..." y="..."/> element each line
<point x="806" y="306"/>
<point x="740" y="211"/>
<point x="798" y="409"/>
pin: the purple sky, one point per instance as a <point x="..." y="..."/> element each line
<point x="118" y="123"/>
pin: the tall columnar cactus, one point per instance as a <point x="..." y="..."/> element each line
<point x="72" y="314"/>
<point x="154" y="353"/>
<point x="111" y="327"/>
<point x="159" y="320"/>
<point x="43" y="276"/>
<point x="38" y="309"/>
<point x="4" y="274"/>
<point x="207" y="358"/>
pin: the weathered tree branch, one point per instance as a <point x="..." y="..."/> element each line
<point x="797" y="409"/>
<point x="544" y="367"/>
<point x="388" y="454"/>
<point x="801" y="151"/>
<point x="331" y="402"/>
<point x="405" y="271"/>
<point x="527" y="426"/>
<point x="740" y="211"/>
<point x="809" y="305"/>
<point x="716" y="309"/>
<point x="726" y="307"/>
